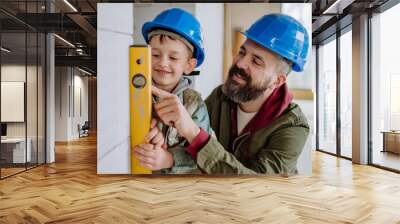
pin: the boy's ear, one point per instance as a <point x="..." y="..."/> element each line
<point x="190" y="66"/>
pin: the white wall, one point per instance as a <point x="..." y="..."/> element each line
<point x="211" y="18"/>
<point x="61" y="103"/>
<point x="80" y="110"/>
<point x="13" y="73"/>
<point x="67" y="115"/>
<point x="114" y="36"/>
<point x="13" y="76"/>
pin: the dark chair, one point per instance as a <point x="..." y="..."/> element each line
<point x="84" y="130"/>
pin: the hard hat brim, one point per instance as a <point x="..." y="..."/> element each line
<point x="297" y="67"/>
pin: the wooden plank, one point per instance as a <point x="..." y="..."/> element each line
<point x="302" y="94"/>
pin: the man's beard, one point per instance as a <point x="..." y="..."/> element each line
<point x="245" y="93"/>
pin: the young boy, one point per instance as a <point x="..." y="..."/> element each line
<point x="177" y="49"/>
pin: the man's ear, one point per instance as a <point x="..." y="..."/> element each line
<point x="281" y="80"/>
<point x="190" y="66"/>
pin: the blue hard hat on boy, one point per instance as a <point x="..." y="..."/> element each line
<point x="182" y="23"/>
<point x="283" y="35"/>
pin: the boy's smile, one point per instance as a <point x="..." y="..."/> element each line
<point x="162" y="72"/>
<point x="170" y="59"/>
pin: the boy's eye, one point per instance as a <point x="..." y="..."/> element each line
<point x="173" y="58"/>
<point x="241" y="52"/>
<point x="156" y="55"/>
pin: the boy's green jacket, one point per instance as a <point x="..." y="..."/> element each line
<point x="196" y="107"/>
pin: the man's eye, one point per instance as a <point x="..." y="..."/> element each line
<point x="257" y="62"/>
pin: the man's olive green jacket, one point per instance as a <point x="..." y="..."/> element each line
<point x="272" y="149"/>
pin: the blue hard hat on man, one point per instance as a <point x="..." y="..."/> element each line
<point x="181" y="22"/>
<point x="284" y="36"/>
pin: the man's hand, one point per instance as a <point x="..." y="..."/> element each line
<point x="171" y="112"/>
<point x="153" y="157"/>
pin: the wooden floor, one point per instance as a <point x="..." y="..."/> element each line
<point x="5" y="172"/>
<point x="70" y="191"/>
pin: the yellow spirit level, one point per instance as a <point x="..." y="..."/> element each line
<point x="140" y="100"/>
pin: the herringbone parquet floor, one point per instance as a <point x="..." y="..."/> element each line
<point x="70" y="191"/>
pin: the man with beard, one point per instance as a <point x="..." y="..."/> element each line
<point x="258" y="129"/>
